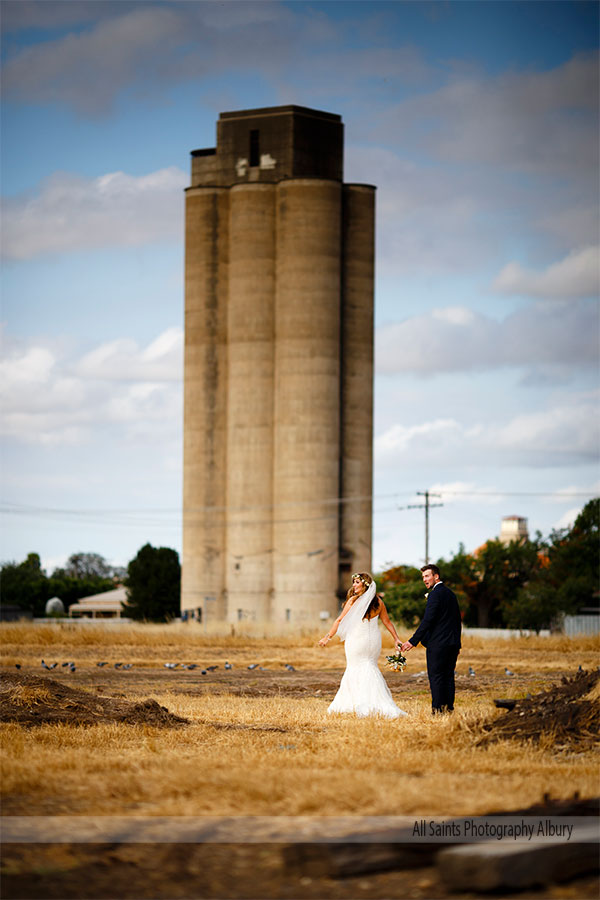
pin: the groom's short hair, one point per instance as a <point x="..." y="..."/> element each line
<point x="431" y="567"/>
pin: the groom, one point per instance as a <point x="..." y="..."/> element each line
<point x="439" y="632"/>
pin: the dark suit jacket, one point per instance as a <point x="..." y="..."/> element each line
<point x="441" y="624"/>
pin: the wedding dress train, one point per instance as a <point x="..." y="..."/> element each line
<point x="363" y="690"/>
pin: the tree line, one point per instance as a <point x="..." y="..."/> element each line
<point x="524" y="584"/>
<point x="152" y="579"/>
<point x="528" y="584"/>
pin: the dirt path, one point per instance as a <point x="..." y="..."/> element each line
<point x="241" y="681"/>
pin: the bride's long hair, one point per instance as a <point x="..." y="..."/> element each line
<point x="366" y="580"/>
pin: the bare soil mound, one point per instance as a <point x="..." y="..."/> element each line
<point x="564" y="714"/>
<point x="32" y="700"/>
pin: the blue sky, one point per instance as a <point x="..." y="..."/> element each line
<point x="478" y="122"/>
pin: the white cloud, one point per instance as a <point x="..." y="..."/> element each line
<point x="457" y="339"/>
<point x="578" y="275"/>
<point x="477" y="165"/>
<point x="535" y="122"/>
<point x="566" y="434"/>
<point x="566" y="494"/>
<point x="86" y="69"/>
<point x="466" y="492"/>
<point x="122" y="360"/>
<point x="23" y="14"/>
<point x="69" y="212"/>
<point x="150" y="45"/>
<point x="571" y="430"/>
<point x="428" y="220"/>
<point x="567" y="520"/>
<point x="49" y="399"/>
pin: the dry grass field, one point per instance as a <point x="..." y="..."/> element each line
<point x="259" y="741"/>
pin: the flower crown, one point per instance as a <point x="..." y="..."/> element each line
<point x="358" y="577"/>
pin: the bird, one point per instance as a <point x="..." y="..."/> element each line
<point x="52" y="665"/>
<point x="203" y="672"/>
<point x="72" y="667"/>
<point x="100" y="664"/>
<point x="118" y="665"/>
<point x="45" y="666"/>
<point x="192" y="666"/>
<point x="65" y="664"/>
<point x="228" y="665"/>
<point x="211" y="668"/>
<point x="128" y="666"/>
<point x="17" y="665"/>
<point x="171" y="665"/>
<point x="507" y="671"/>
<point x="289" y="667"/>
<point x="471" y="670"/>
<point x="580" y="669"/>
<point x="253" y="666"/>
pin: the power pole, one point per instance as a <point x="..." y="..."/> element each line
<point x="426" y="506"/>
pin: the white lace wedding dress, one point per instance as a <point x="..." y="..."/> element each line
<point x="363" y="690"/>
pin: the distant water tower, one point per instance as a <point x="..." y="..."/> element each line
<point x="513" y="528"/>
<point x="278" y="370"/>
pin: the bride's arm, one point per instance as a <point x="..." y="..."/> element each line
<point x="383" y="615"/>
<point x="334" y="627"/>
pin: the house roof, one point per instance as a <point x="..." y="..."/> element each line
<point x="109" y="601"/>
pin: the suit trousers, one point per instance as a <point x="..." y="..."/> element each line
<point x="441" y="663"/>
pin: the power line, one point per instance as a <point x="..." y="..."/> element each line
<point x="14" y="508"/>
<point x="426" y="506"/>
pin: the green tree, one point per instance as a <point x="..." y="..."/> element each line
<point x="25" y="585"/>
<point x="503" y="569"/>
<point x="83" y="575"/>
<point x="532" y="607"/>
<point x="567" y="580"/>
<point x="153" y="584"/>
<point x="87" y="565"/>
<point x="404" y="594"/>
<point x="461" y="576"/>
<point x="70" y="589"/>
<point x="574" y="560"/>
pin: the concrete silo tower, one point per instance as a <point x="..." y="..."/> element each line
<point x="278" y="370"/>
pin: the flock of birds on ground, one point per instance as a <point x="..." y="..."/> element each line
<point x="71" y="667"/>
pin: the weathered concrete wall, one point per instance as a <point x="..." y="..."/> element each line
<point x="205" y="393"/>
<point x="278" y="370"/>
<point x="307" y="394"/>
<point x="356" y="434"/>
<point x="250" y="400"/>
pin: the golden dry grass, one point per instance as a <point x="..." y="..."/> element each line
<point x="149" y="645"/>
<point x="315" y="765"/>
<point x="282" y="755"/>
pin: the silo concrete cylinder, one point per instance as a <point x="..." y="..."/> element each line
<point x="205" y="385"/>
<point x="250" y="401"/>
<point x="358" y="254"/>
<point x="307" y="397"/>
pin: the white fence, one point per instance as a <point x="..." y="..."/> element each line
<point x="503" y="632"/>
<point x="584" y="624"/>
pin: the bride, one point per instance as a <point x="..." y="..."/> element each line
<point x="363" y="690"/>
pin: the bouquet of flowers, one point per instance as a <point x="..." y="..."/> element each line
<point x="396" y="661"/>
